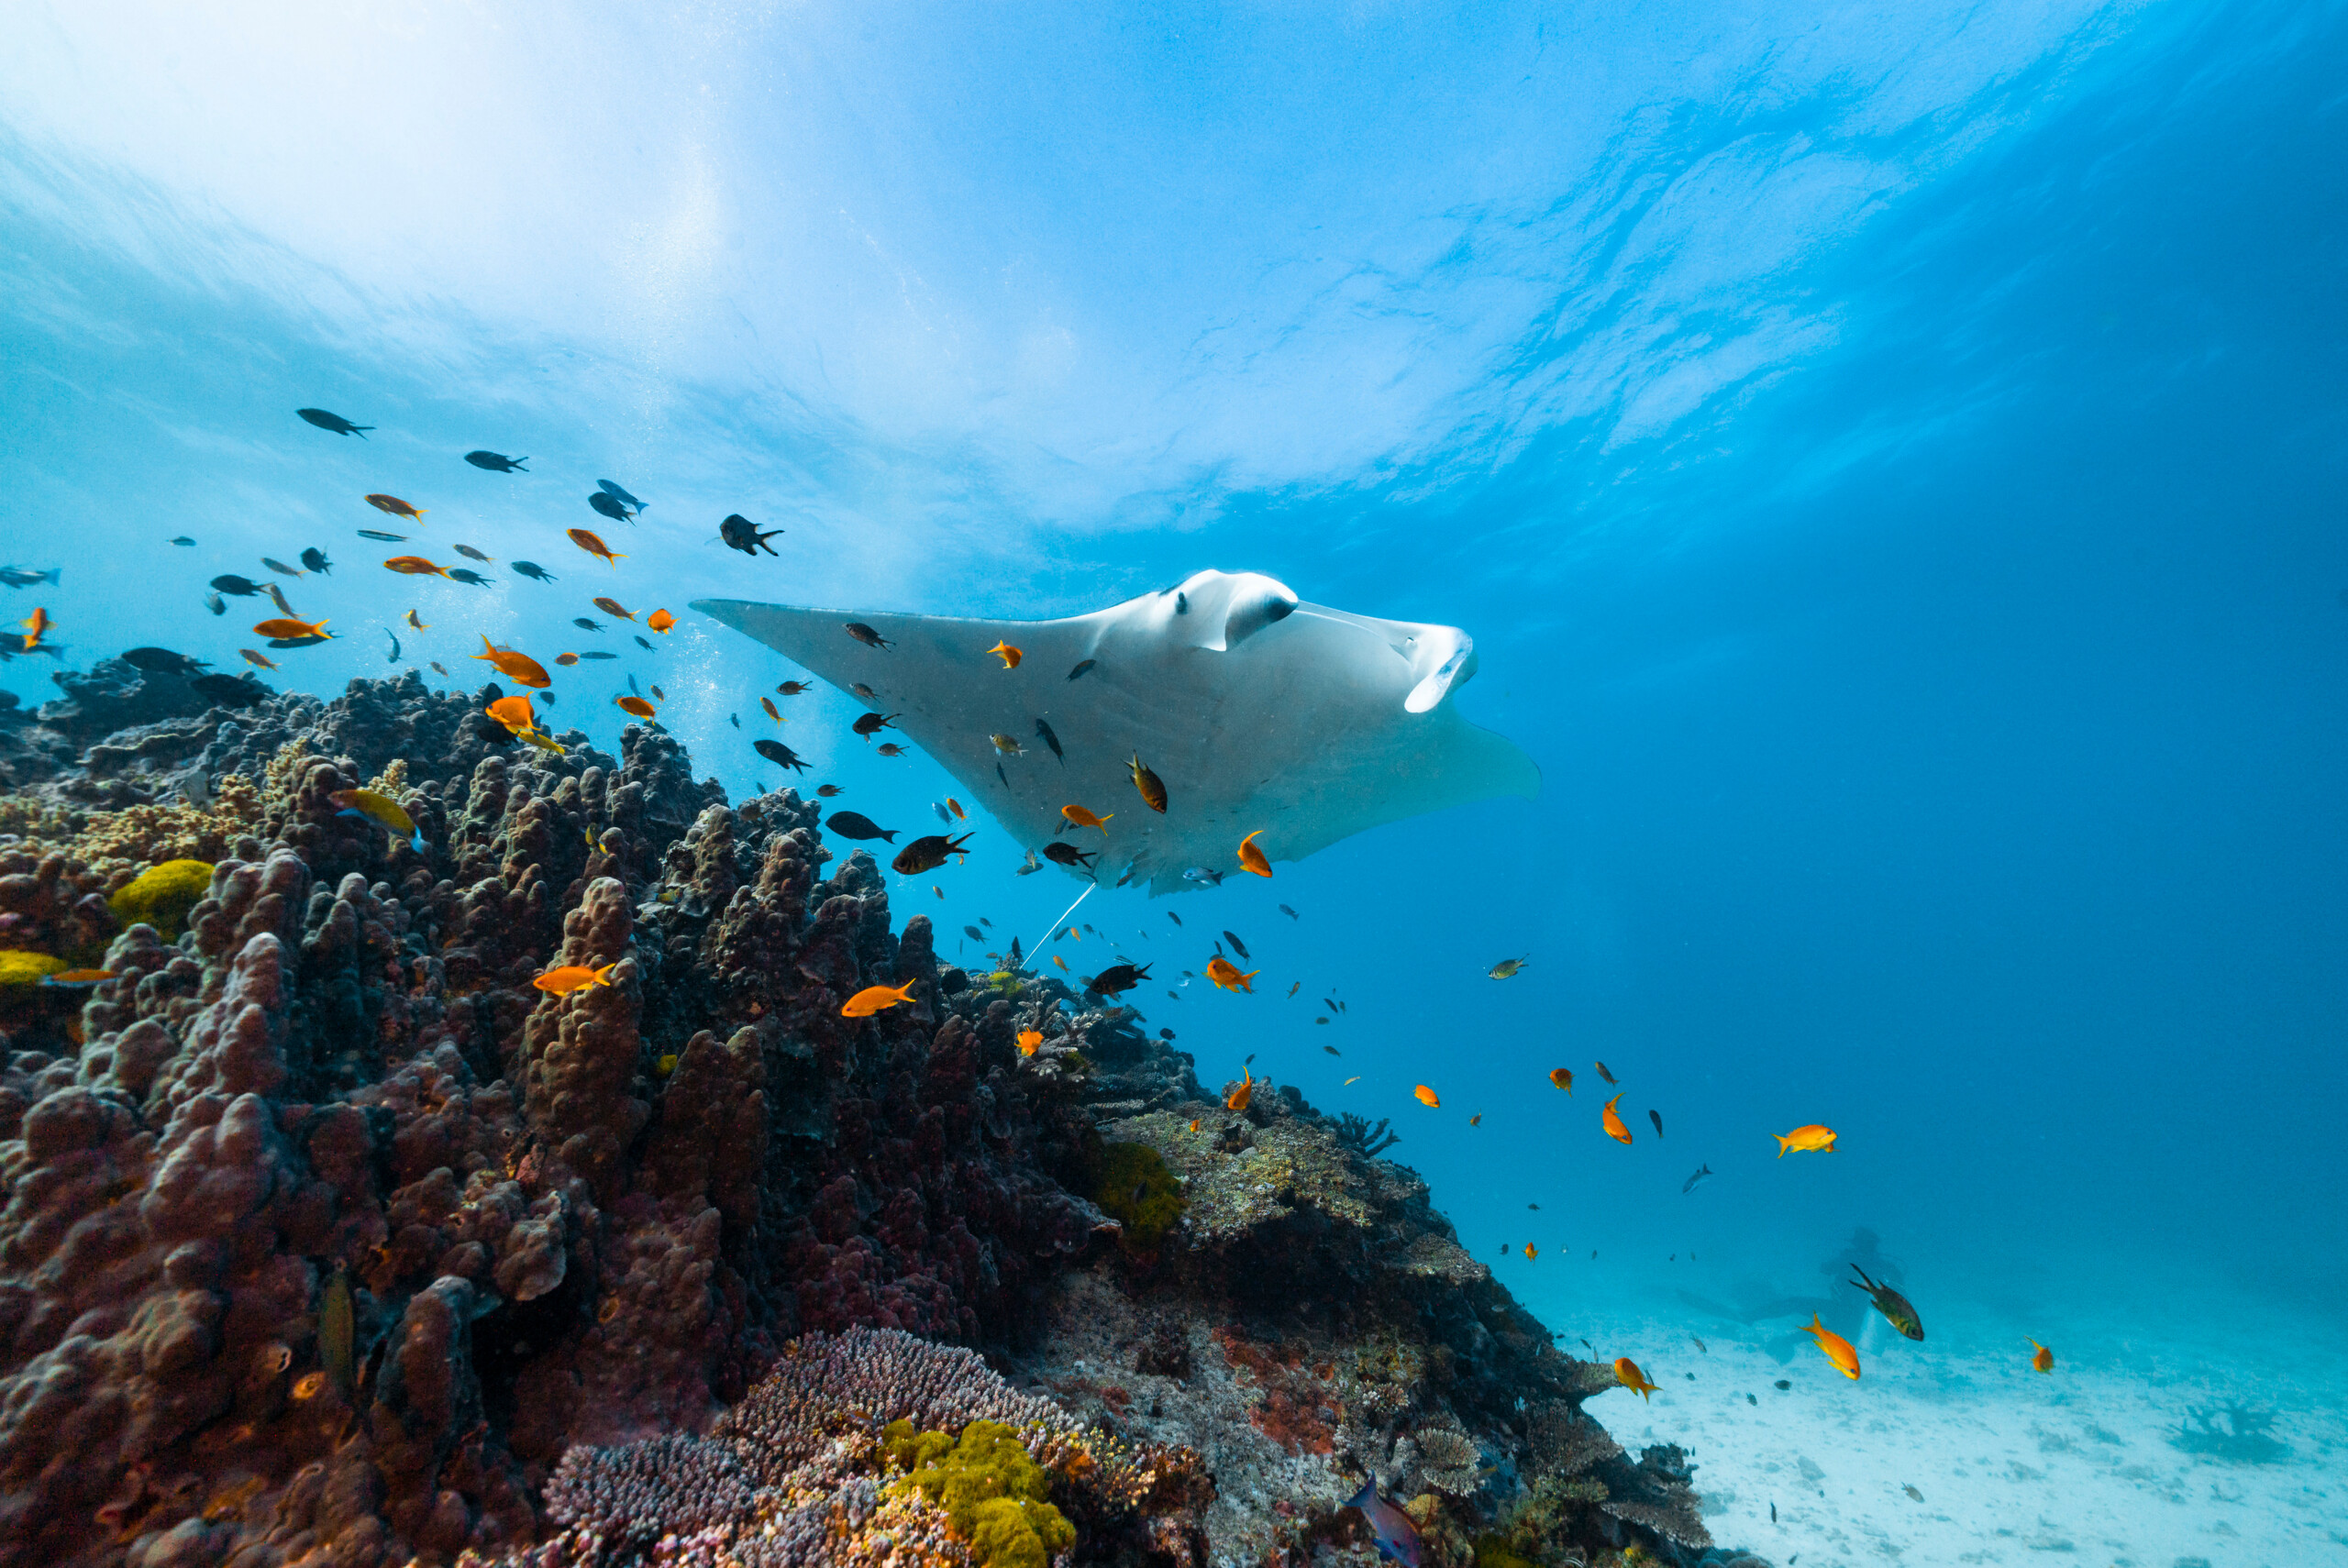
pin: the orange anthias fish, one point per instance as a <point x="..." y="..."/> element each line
<point x="1009" y="655"/>
<point x="1563" y="1078"/>
<point x="1428" y="1096"/>
<point x="573" y="976"/>
<point x="1252" y="859"/>
<point x="520" y="667"/>
<point x="514" y="712"/>
<point x="1530" y="1252"/>
<point x="92" y="976"/>
<point x="396" y="507"/>
<point x="1152" y="787"/>
<point x="960" y="815"/>
<point x="1614" y="1128"/>
<point x="659" y="619"/>
<point x="419" y="625"/>
<point x="1062" y="963"/>
<point x="2043" y="1361"/>
<point x="262" y="660"/>
<point x="1077" y="816"/>
<point x="34" y="624"/>
<point x="1838" y="1349"/>
<point x="773" y="712"/>
<point x="1030" y="1040"/>
<point x="614" y="607"/>
<point x="1627" y="1374"/>
<point x="1807" y="1139"/>
<point x="414" y="566"/>
<point x="285" y="627"/>
<point x="1226" y="974"/>
<point x="872" y="998"/>
<point x="594" y="546"/>
<point x="634" y="704"/>
<point x="1238" y="1098"/>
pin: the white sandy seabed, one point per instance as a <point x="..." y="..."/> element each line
<point x="2012" y="1466"/>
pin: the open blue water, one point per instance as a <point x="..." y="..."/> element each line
<point x="1891" y="459"/>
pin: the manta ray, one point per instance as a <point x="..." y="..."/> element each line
<point x="1261" y="712"/>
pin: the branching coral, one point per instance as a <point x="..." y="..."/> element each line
<point x="1356" y="1132"/>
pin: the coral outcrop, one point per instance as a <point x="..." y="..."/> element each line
<point x="326" y="1238"/>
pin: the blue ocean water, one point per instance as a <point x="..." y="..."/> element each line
<point x="1890" y="459"/>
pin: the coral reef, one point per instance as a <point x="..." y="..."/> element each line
<point x="326" y="1237"/>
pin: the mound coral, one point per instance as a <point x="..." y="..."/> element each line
<point x="996" y="1495"/>
<point x="162" y="895"/>
<point x="1138" y="1189"/>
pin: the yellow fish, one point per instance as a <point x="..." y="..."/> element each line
<point x="1627" y="1374"/>
<point x="1009" y="655"/>
<point x="1563" y="1078"/>
<point x="1077" y="816"/>
<point x="514" y="712"/>
<point x="1614" y="1128"/>
<point x="1226" y="974"/>
<point x="1030" y="1040"/>
<point x="1237" y="1099"/>
<point x="1252" y="859"/>
<point x="1507" y="968"/>
<point x="1812" y="1137"/>
<point x="416" y="623"/>
<point x="1838" y="1349"/>
<point x="1530" y="1252"/>
<point x="2043" y="1361"/>
<point x="573" y="976"/>
<point x="872" y="998"/>
<point x="773" y="712"/>
<point x="659" y="621"/>
<point x="1427" y="1097"/>
<point x="381" y="810"/>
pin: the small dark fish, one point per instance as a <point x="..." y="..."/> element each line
<point x="1172" y="916"/>
<point x="1534" y="1206"/>
<point x="740" y="534"/>
<point x="584" y="624"/>
<point x="735" y="720"/>
<point x="1751" y="1400"/>
<point x="241" y="587"/>
<point x="870" y="724"/>
<point x="468" y="551"/>
<point x="1325" y="1000"/>
<point x="1081" y="669"/>
<point x="868" y="636"/>
<point x="547" y="698"/>
<point x="632" y="686"/>
<point x="865" y="693"/>
<point x="927" y="853"/>
<point x="779" y="754"/>
<point x="277" y="595"/>
<point x="1656" y="1116"/>
<point x="616" y="493"/>
<point x="1913" y="1495"/>
<point x="217" y="604"/>
<point x="533" y="569"/>
<point x="1892" y="1304"/>
<point x="333" y="422"/>
<point x="1397" y="1538"/>
<point x="466" y="574"/>
<point x="379" y="534"/>
<point x="1166" y="1034"/>
<point x="1780" y="1386"/>
<point x="599" y="655"/>
<point x="281" y="567"/>
<point x="942" y="814"/>
<point x="609" y="507"/>
<point x="163" y="661"/>
<point x="497" y="464"/>
<point x="829" y="790"/>
<point x="393" y="656"/>
<point x="183" y="539"/>
<point x="988" y="923"/>
<point x="1044" y="732"/>
<point x="231" y="691"/>
<point x="338" y="1330"/>
<point x="25" y="577"/>
<point x="974" y="933"/>
<point x="1773" y="1508"/>
<point x="1604" y="1073"/>
<point x="1333" y="1050"/>
<point x="642" y="643"/>
<point x="316" y="560"/>
<point x="1116" y="979"/>
<point x="856" y="825"/>
<point x="1068" y="855"/>
<point x="1701" y="1172"/>
<point x="1236" y="945"/>
<point x="998" y="773"/>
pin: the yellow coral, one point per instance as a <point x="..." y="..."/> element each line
<point x="996" y="1495"/>
<point x="161" y="896"/>
<point x="19" y="967"/>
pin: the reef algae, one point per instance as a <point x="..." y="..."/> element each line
<point x="20" y="968"/>
<point x="161" y="896"/>
<point x="995" y="1497"/>
<point x="327" y="1237"/>
<point x="1139" y="1192"/>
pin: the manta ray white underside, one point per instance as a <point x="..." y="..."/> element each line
<point x="1256" y="710"/>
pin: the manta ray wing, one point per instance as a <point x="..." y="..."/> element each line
<point x="1256" y="710"/>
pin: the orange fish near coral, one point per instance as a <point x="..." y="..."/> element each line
<point x="1030" y="1041"/>
<point x="1614" y="1128"/>
<point x="614" y="607"/>
<point x="1428" y="1096"/>
<point x="659" y="621"/>
<point x="872" y="998"/>
<point x="519" y="668"/>
<point x="92" y="976"/>
<point x="1152" y="787"/>
<point x="1838" y="1349"/>
<point x="261" y="660"/>
<point x="34" y="624"/>
<point x="1009" y="655"/>
<point x="637" y="705"/>
<point x="1627" y="1374"/>
<point x="1226" y="974"/>
<point x="2043" y="1361"/>
<point x="1078" y="817"/>
<point x="414" y="566"/>
<point x="1237" y="1099"/>
<point x="1252" y="859"/>
<point x="514" y="712"/>
<point x="396" y="507"/>
<point x="1563" y="1078"/>
<point x="286" y="627"/>
<point x="1807" y="1139"/>
<point x="573" y="977"/>
<point x="594" y="546"/>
